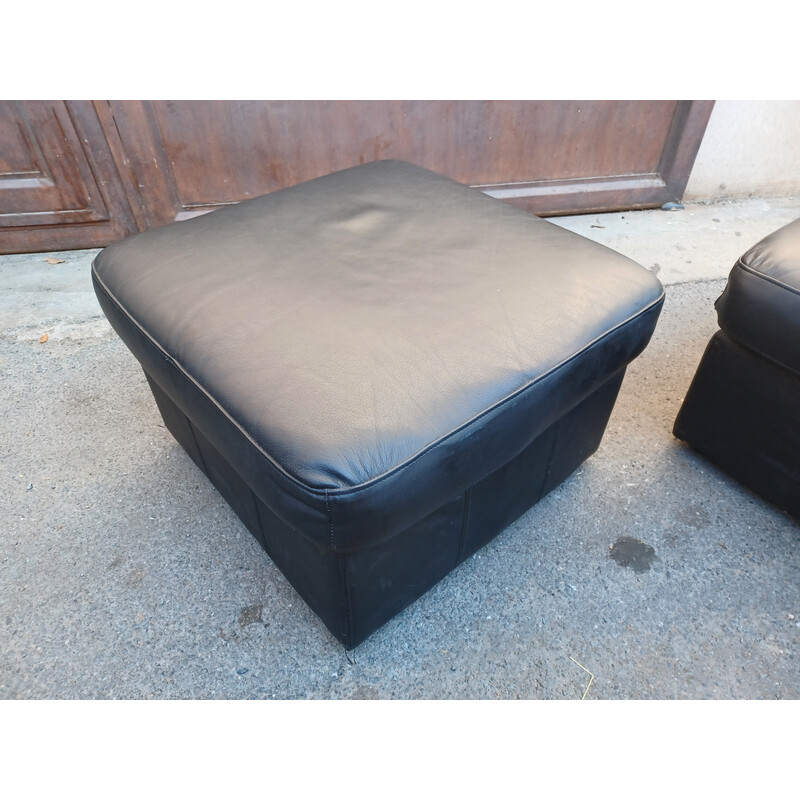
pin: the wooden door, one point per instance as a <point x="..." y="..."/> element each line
<point x="59" y="188"/>
<point x="83" y="174"/>
<point x="551" y="157"/>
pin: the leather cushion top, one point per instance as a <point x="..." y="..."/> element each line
<point x="760" y="306"/>
<point x="381" y="335"/>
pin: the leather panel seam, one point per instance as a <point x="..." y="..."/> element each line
<point x="330" y="520"/>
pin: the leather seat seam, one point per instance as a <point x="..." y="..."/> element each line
<point x="755" y="273"/>
<point x="324" y="492"/>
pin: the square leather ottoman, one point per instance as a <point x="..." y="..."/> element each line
<point x="741" y="409"/>
<point x="379" y="369"/>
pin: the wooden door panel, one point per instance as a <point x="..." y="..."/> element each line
<point x="57" y="182"/>
<point x="83" y="174"/>
<point x="548" y="156"/>
<point x="45" y="179"/>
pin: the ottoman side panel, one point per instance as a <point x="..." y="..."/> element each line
<point x="580" y="432"/>
<point x="739" y="413"/>
<point x="316" y="573"/>
<point x="540" y="467"/>
<point x="385" y="578"/>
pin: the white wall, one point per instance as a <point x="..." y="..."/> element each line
<point x="750" y="148"/>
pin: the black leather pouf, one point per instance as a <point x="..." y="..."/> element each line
<point x="742" y="410"/>
<point x="379" y="369"/>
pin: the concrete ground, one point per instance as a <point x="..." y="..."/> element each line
<point x="124" y="575"/>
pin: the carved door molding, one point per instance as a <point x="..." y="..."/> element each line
<point x="77" y="174"/>
<point x="59" y="187"/>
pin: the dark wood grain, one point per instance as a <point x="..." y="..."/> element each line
<point x="68" y="194"/>
<point x="42" y="183"/>
<point x="552" y="157"/>
<point x="110" y="167"/>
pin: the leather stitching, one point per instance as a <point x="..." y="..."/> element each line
<point x="330" y="518"/>
<point x="344" y="491"/>
<point x="766" y="277"/>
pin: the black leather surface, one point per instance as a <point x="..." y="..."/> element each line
<point x="355" y="593"/>
<point x="760" y="306"/>
<point x="377" y="335"/>
<point x="741" y="412"/>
